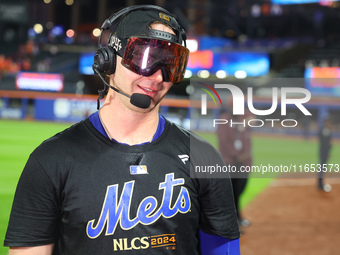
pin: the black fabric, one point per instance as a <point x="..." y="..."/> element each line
<point x="137" y="23"/>
<point x="72" y="178"/>
<point x="239" y="185"/>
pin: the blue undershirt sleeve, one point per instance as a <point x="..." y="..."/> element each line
<point x="217" y="245"/>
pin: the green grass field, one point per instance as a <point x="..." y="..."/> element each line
<point x="19" y="138"/>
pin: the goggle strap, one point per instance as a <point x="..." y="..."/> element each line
<point x="157" y="34"/>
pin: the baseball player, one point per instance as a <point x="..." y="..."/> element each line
<point x="325" y="146"/>
<point x="119" y="181"/>
<point x="234" y="143"/>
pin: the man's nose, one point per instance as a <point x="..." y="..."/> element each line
<point x="157" y="76"/>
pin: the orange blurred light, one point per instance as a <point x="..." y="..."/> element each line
<point x="201" y="59"/>
<point x="70" y="33"/>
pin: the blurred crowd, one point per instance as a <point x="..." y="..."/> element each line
<point x="20" y="61"/>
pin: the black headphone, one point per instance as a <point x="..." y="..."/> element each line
<point x="105" y="57"/>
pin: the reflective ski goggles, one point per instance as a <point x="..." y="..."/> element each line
<point x="145" y="56"/>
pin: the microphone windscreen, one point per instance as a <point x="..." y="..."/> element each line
<point x="140" y="100"/>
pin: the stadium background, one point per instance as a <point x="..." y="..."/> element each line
<point x="46" y="84"/>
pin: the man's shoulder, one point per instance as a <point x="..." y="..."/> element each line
<point x="182" y="131"/>
<point x="189" y="136"/>
<point x="66" y="139"/>
<point x="179" y="130"/>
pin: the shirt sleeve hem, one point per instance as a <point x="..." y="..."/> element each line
<point x="28" y="244"/>
<point x="231" y="236"/>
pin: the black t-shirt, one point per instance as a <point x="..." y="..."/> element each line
<point x="90" y="195"/>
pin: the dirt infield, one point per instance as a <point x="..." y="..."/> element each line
<point x="293" y="217"/>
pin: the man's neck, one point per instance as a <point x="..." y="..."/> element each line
<point x="127" y="126"/>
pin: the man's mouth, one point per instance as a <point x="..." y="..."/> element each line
<point x="148" y="91"/>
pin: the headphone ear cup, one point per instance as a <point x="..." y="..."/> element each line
<point x="105" y="60"/>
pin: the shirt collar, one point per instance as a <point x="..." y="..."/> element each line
<point x="95" y="120"/>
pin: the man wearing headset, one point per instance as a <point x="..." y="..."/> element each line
<point x="119" y="181"/>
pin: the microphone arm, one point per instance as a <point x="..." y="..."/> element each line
<point x="102" y="78"/>
<point x="139" y="100"/>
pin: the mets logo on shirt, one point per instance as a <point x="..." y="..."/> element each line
<point x="116" y="211"/>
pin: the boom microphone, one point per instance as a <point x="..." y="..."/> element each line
<point x="136" y="99"/>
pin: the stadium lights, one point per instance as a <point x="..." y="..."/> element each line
<point x="187" y="74"/>
<point x="190" y="89"/>
<point x="38" y="28"/>
<point x="221" y="74"/>
<point x="49" y="25"/>
<point x="56" y="31"/>
<point x="203" y="74"/>
<point x="240" y="74"/>
<point x="31" y="33"/>
<point x="96" y="32"/>
<point x="70" y="33"/>
<point x="69" y="2"/>
<point x="192" y="45"/>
